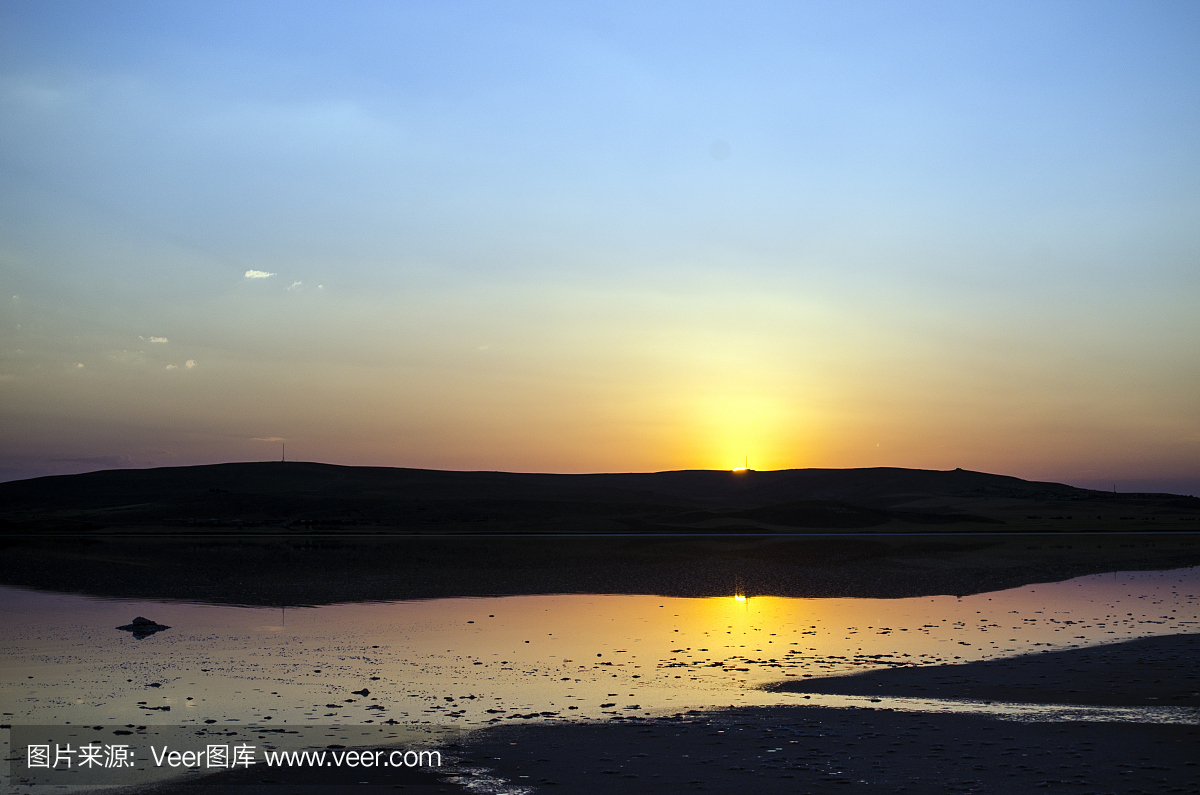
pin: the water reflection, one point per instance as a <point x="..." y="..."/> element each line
<point x="473" y="661"/>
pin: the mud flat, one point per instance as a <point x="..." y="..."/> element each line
<point x="819" y="750"/>
<point x="1161" y="671"/>
<point x="779" y="750"/>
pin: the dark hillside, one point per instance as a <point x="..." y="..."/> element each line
<point x="296" y="497"/>
<point x="301" y="533"/>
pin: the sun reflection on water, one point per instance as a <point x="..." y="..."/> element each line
<point x="480" y="660"/>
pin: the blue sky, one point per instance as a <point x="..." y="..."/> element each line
<point x="641" y="236"/>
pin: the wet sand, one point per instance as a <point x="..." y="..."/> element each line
<point x="782" y="750"/>
<point x="1147" y="672"/>
<point x="818" y="750"/>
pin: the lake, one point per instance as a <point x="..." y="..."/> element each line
<point x="473" y="661"/>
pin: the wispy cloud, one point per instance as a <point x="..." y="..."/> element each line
<point x="293" y="285"/>
<point x="172" y="367"/>
<point x="159" y="339"/>
<point x="267" y="439"/>
<point x="190" y="363"/>
<point x="259" y="275"/>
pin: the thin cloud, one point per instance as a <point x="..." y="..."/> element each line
<point x="159" y="339"/>
<point x="172" y="367"/>
<point x="294" y="285"/>
<point x="267" y="439"/>
<point x="190" y="363"/>
<point x="259" y="275"/>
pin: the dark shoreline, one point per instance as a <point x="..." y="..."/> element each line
<point x="824" y="750"/>
<point x="1162" y="671"/>
<point x="777" y="751"/>
<point x="310" y="570"/>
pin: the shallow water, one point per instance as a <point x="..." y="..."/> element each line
<point x="471" y="661"/>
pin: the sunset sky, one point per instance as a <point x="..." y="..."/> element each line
<point x="580" y="237"/>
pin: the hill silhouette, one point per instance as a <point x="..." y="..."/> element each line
<point x="306" y="533"/>
<point x="297" y="497"/>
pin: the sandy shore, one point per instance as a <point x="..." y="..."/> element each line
<point x="821" y="750"/>
<point x="816" y="750"/>
<point x="784" y="750"/>
<point x="1147" y="672"/>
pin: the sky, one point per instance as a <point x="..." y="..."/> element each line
<point x="609" y="236"/>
